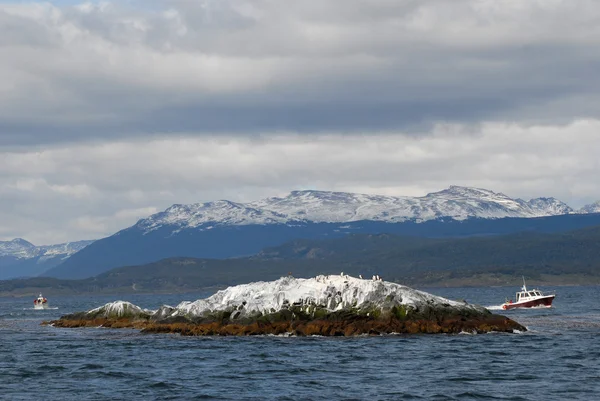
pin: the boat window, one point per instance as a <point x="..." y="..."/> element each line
<point x="531" y="294"/>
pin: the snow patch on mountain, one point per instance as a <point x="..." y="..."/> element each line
<point x="550" y="206"/>
<point x="591" y="208"/>
<point x="223" y="211"/>
<point x="22" y="249"/>
<point x="299" y="207"/>
<point x="67" y="248"/>
<point x="18" y="248"/>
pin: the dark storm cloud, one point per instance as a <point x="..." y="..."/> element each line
<point x="247" y="67"/>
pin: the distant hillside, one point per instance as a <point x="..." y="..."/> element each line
<point x="527" y="253"/>
<point x="566" y="258"/>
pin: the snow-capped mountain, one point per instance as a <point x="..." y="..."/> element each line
<point x="458" y="203"/>
<point x="224" y="229"/>
<point x="549" y="207"/>
<point x="18" y="248"/>
<point x="62" y="251"/>
<point x="591" y="208"/>
<point x="20" y="258"/>
<point x="22" y="249"/>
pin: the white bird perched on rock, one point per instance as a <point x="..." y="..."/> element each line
<point x="360" y="276"/>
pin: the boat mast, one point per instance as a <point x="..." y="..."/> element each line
<point x="524" y="287"/>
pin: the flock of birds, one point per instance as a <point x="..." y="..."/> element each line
<point x="376" y="277"/>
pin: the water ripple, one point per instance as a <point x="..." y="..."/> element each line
<point x="556" y="360"/>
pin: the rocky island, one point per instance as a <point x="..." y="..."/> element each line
<point x="333" y="305"/>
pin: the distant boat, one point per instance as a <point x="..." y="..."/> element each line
<point x="529" y="299"/>
<point x="40" y="303"/>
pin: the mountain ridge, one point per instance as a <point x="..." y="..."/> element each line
<point x="301" y="206"/>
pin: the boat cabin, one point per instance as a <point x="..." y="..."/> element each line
<point x="527" y="294"/>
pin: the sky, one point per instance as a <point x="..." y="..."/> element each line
<point x="112" y="111"/>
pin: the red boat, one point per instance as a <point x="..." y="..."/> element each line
<point x="40" y="303"/>
<point x="529" y="299"/>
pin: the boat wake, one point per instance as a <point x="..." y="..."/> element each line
<point x="53" y="308"/>
<point x="494" y="307"/>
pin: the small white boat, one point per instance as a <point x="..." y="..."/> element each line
<point x="529" y="299"/>
<point x="40" y="303"/>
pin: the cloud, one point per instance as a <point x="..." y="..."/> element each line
<point x="110" y="111"/>
<point x="89" y="190"/>
<point x="110" y="70"/>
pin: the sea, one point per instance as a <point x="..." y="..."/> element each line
<point x="558" y="358"/>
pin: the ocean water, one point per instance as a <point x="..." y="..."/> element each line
<point x="557" y="359"/>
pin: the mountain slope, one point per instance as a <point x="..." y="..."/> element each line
<point x="398" y="258"/>
<point x="529" y="253"/>
<point x="132" y="247"/>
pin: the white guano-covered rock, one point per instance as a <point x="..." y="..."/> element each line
<point x="332" y="292"/>
<point x="119" y="309"/>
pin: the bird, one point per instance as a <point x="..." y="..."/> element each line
<point x="360" y="276"/>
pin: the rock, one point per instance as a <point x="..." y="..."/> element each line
<point x="324" y="305"/>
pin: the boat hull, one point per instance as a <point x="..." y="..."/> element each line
<point x="538" y="302"/>
<point x="42" y="306"/>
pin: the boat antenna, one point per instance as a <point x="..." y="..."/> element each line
<point x="524" y="287"/>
